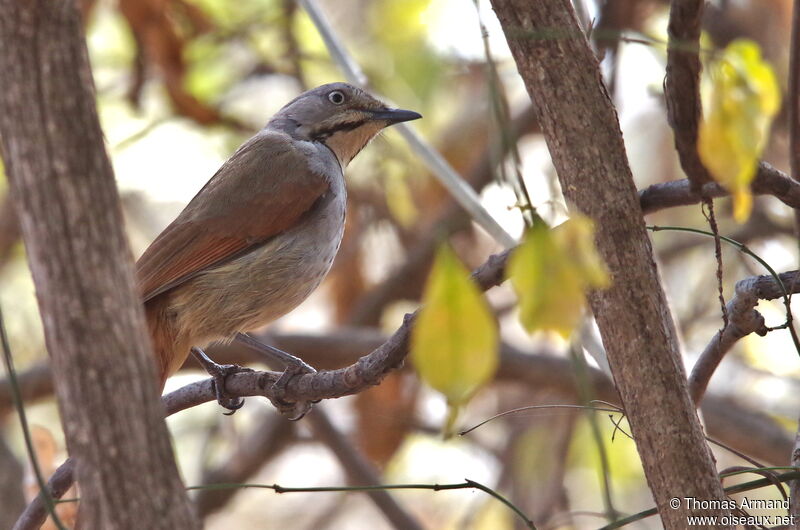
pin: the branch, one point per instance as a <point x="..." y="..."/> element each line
<point x="747" y="430"/>
<point x="676" y="193"/>
<point x="682" y="86"/>
<point x="771" y="181"/>
<point x="744" y="320"/>
<point x="36" y="512"/>
<point x="367" y="371"/>
<point x="541" y="371"/>
<point x="768" y="181"/>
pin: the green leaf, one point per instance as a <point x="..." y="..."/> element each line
<point x="454" y="343"/>
<point x="742" y="99"/>
<point x="550" y="271"/>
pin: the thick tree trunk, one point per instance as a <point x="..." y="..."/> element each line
<point x="65" y="194"/>
<point x="582" y="131"/>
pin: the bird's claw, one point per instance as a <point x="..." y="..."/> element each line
<point x="294" y="410"/>
<point x="219" y="373"/>
<point x="223" y="398"/>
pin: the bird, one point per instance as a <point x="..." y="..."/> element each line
<point x="261" y="235"/>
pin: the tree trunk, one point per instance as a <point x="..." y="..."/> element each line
<point x="582" y="131"/>
<point x="64" y="190"/>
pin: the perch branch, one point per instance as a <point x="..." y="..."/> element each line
<point x="365" y="372"/>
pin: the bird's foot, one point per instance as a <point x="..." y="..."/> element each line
<point x="294" y="410"/>
<point x="219" y="373"/>
<point x="294" y="367"/>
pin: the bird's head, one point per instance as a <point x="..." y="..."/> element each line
<point x="343" y="117"/>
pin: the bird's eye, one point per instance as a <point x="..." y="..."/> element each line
<point x="336" y="97"/>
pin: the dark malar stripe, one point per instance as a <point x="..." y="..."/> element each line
<point x="321" y="134"/>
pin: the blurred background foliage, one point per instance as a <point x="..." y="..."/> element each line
<point x="181" y="83"/>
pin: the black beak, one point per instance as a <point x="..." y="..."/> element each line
<point x="395" y="115"/>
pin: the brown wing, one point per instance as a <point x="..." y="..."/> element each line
<point x="262" y="190"/>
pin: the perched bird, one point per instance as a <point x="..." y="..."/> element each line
<point x="261" y="235"/>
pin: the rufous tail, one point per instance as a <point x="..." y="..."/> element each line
<point x="169" y="354"/>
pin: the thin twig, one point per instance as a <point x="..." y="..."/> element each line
<point x="533" y="407"/>
<point x="767" y="473"/>
<point x="785" y="293"/>
<point x="708" y="204"/>
<point x="759" y="226"/>
<point x="467" y="484"/>
<point x="740" y="454"/>
<point x="741" y="307"/>
<point x="764" y="436"/>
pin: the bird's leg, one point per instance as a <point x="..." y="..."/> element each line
<point x="294" y="367"/>
<point x="220" y="372"/>
<point x="294" y="363"/>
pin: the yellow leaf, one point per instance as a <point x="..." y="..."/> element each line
<point x="454" y="343"/>
<point x="741" y="101"/>
<point x="576" y="238"/>
<point x="550" y="271"/>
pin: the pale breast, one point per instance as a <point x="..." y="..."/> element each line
<point x="268" y="282"/>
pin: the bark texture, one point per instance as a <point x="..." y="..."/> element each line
<point x="682" y="86"/>
<point x="582" y="131"/>
<point x="64" y="191"/>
